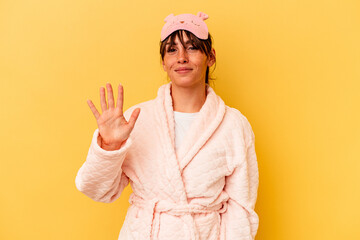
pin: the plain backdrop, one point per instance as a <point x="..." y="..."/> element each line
<point x="291" y="67"/>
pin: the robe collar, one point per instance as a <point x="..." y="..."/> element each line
<point x="209" y="118"/>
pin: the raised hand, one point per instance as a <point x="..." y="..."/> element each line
<point x="113" y="127"/>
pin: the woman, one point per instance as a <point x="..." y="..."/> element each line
<point x="190" y="159"/>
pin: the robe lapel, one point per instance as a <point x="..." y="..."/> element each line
<point x="210" y="116"/>
<point x="166" y="129"/>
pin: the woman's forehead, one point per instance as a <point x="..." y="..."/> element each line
<point x="176" y="40"/>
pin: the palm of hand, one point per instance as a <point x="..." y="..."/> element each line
<point x="114" y="130"/>
<point x="113" y="126"/>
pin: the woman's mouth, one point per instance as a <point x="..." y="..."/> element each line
<point x="183" y="70"/>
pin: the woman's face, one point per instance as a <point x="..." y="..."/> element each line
<point x="186" y="66"/>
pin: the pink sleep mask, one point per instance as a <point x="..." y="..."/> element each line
<point x="189" y="22"/>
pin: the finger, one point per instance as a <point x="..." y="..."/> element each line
<point x="93" y="109"/>
<point x="134" y="117"/>
<point x="110" y="95"/>
<point x="102" y="99"/>
<point x="120" y="98"/>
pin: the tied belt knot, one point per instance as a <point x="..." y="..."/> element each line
<point x="157" y="206"/>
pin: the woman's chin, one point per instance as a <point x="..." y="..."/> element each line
<point x="185" y="83"/>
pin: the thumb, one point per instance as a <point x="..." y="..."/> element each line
<point x="134" y="117"/>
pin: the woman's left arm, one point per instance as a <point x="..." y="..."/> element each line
<point x="240" y="221"/>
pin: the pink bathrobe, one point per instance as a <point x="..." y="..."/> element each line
<point x="205" y="191"/>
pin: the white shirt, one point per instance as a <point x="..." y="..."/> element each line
<point x="182" y="125"/>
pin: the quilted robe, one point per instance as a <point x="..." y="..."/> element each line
<point x="204" y="191"/>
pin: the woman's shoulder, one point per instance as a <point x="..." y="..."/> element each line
<point x="239" y="122"/>
<point x="144" y="106"/>
<point x="235" y="115"/>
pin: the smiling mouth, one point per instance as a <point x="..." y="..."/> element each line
<point x="183" y="70"/>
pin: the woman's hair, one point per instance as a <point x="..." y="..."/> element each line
<point x="204" y="46"/>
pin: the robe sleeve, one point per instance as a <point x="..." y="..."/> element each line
<point x="101" y="177"/>
<point x="240" y="221"/>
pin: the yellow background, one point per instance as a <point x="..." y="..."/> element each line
<point x="291" y="67"/>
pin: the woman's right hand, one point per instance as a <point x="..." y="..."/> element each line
<point x="113" y="128"/>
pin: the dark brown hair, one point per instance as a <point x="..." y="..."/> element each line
<point x="204" y="46"/>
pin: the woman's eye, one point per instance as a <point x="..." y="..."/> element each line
<point x="171" y="50"/>
<point x="193" y="48"/>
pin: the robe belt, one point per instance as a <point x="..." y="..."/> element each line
<point x="155" y="205"/>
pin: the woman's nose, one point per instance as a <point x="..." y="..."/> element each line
<point x="182" y="57"/>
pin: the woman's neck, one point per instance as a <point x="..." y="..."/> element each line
<point x="188" y="99"/>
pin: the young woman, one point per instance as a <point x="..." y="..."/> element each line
<point x="189" y="158"/>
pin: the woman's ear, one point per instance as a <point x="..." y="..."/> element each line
<point x="212" y="58"/>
